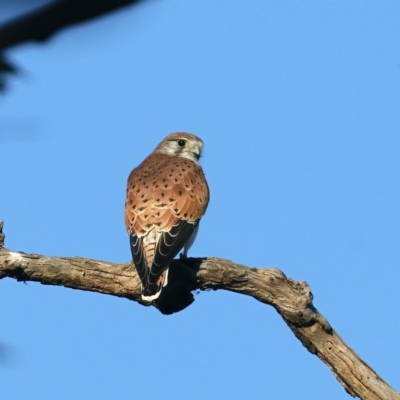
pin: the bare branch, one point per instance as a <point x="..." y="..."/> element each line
<point x="44" y="22"/>
<point x="291" y="299"/>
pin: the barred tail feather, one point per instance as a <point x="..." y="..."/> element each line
<point x="152" y="281"/>
<point x="151" y="291"/>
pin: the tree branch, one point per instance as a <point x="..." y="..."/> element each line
<point x="291" y="299"/>
<point x="42" y="23"/>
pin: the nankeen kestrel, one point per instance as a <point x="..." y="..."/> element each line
<point x="166" y="197"/>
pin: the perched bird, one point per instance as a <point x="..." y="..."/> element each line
<point x="166" y="197"/>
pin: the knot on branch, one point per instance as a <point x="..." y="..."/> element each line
<point x="300" y="311"/>
<point x="292" y="299"/>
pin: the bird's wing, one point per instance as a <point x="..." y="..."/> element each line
<point x="153" y="277"/>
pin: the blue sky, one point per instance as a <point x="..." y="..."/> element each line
<point x="298" y="105"/>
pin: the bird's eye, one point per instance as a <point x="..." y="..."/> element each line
<point x="181" y="143"/>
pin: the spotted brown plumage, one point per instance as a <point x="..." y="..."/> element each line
<point x="167" y="195"/>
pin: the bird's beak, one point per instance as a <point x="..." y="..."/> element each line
<point x="196" y="152"/>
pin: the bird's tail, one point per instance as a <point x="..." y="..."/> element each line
<point x="153" y="278"/>
<point x="151" y="290"/>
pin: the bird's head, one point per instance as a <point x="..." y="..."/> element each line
<point x="181" y="144"/>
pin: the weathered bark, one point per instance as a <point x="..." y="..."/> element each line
<point x="291" y="299"/>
